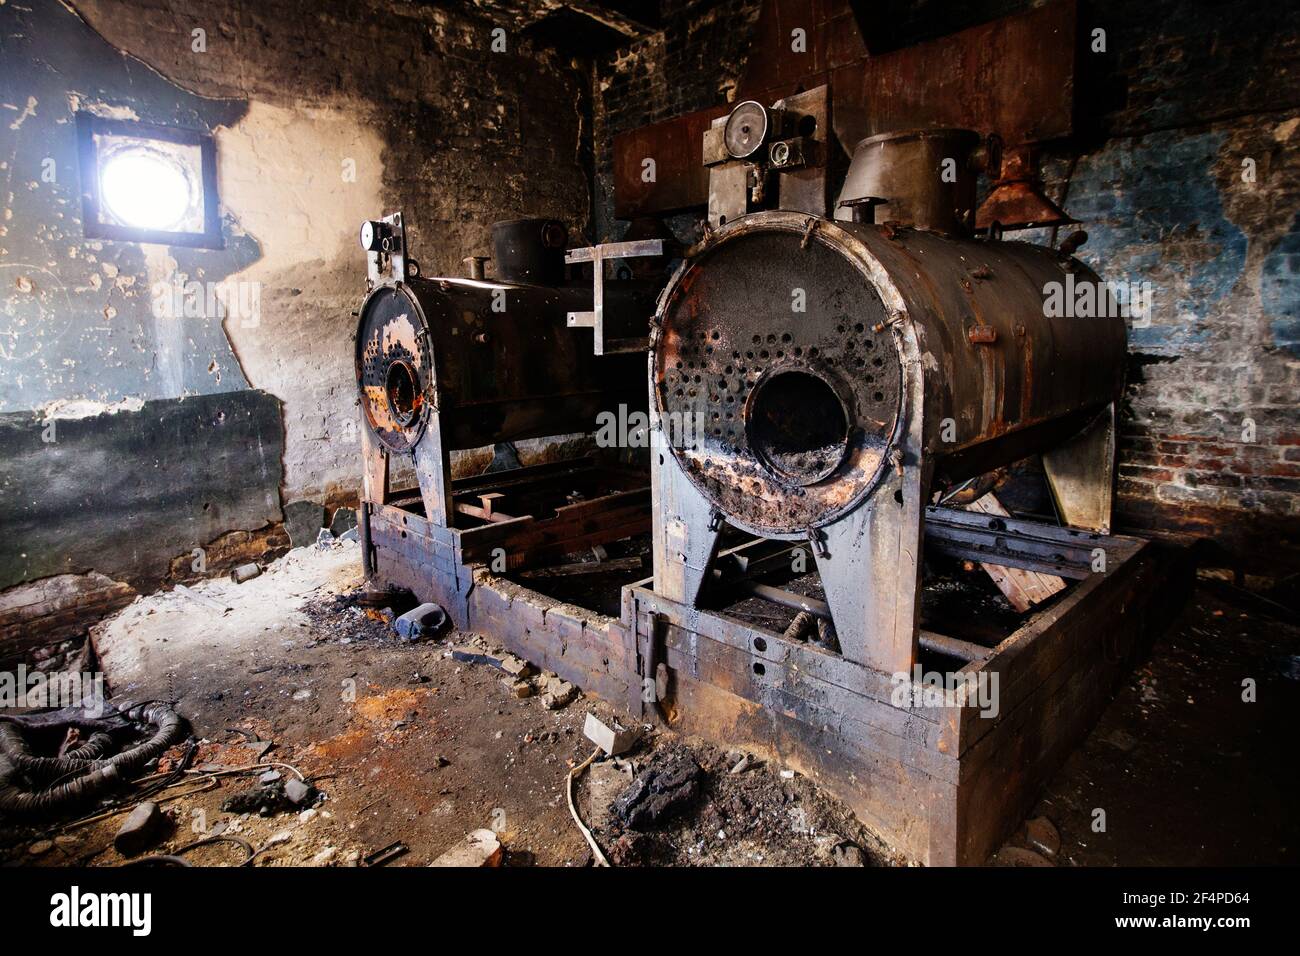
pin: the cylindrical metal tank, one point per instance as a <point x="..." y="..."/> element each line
<point x="529" y="250"/>
<point x="924" y="178"/>
<point x="816" y="354"/>
<point x="496" y="360"/>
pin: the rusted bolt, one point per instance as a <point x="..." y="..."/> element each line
<point x="982" y="334"/>
<point x="982" y="272"/>
<point x="878" y="327"/>
<point x="896" y="459"/>
<point x="808" y="228"/>
<point x="1072" y="242"/>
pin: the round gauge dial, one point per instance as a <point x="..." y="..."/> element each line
<point x="747" y="129"/>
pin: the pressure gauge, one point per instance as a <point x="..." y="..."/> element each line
<point x="373" y="234"/>
<point x="747" y="129"/>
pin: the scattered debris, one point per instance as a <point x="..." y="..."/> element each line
<point x="559" y="693"/>
<point x="143" y="827"/>
<point x="325" y="856"/>
<point x="605" y="780"/>
<point x="597" y="854"/>
<point x="1019" y="856"/>
<point x="344" y="520"/>
<point x="421" y="622"/>
<point x="480" y="848"/>
<point x="519" y="688"/>
<point x="848" y="854"/>
<point x="1042" y="836"/>
<point x="613" y="740"/>
<point x="667" y="785"/>
<point x="299" y="792"/>
<point x="245" y="572"/>
<point x="276" y="796"/>
<point x="385" y="855"/>
<point x="515" y="667"/>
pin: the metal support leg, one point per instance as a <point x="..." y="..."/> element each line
<point x="433" y="471"/>
<point x="685" y="533"/>
<point x="1081" y="474"/>
<point x="869" y="562"/>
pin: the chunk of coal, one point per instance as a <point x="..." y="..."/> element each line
<point x="669" y="783"/>
<point x="265" y="800"/>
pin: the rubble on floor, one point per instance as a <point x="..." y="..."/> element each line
<point x="414" y="744"/>
<point x="412" y="747"/>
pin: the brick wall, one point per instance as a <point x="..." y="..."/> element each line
<point x="694" y="62"/>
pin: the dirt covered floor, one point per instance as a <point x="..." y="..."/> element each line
<point x="420" y="744"/>
<point x="406" y="743"/>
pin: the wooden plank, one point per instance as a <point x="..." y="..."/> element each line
<point x="1022" y="588"/>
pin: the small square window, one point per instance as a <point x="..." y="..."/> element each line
<point x="147" y="183"/>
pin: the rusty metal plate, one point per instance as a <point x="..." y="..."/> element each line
<point x="678" y="179"/>
<point x="797" y="407"/>
<point x="394" y="367"/>
<point x="1013" y="76"/>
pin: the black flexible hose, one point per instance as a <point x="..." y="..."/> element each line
<point x="21" y="773"/>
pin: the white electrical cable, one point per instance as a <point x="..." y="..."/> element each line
<point x="591" y="840"/>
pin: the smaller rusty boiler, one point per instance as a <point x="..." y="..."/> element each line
<point x="846" y="369"/>
<point x="446" y="363"/>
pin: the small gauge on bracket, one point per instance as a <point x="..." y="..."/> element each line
<point x="373" y="234"/>
<point x="747" y="129"/>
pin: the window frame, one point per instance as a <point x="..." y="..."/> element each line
<point x="89" y="125"/>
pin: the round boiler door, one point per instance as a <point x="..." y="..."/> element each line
<point x="775" y="392"/>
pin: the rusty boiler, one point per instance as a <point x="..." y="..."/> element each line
<point x="494" y="358"/>
<point x="843" y="370"/>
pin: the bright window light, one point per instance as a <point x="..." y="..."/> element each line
<point x="142" y="187"/>
<point x="142" y="182"/>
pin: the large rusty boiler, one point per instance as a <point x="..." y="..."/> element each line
<point x="858" y="367"/>
<point x="845" y="370"/>
<point x="446" y="363"/>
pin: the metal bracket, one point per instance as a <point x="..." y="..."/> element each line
<point x="385" y="238"/>
<point x="595" y="320"/>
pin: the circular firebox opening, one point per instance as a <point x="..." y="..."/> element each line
<point x="403" y="393"/>
<point x="797" y="425"/>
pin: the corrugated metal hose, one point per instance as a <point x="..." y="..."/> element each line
<point x="34" y="785"/>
